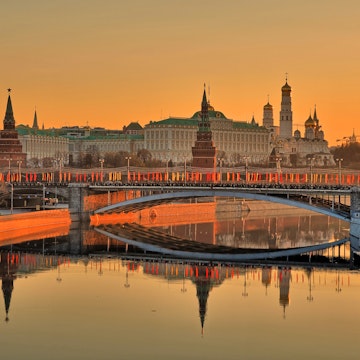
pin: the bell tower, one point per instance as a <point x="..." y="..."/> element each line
<point x="286" y="112"/>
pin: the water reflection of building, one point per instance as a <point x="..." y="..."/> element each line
<point x="266" y="277"/>
<point x="255" y="230"/>
<point x="204" y="277"/>
<point x="284" y="278"/>
<point x="17" y="264"/>
<point x="8" y="268"/>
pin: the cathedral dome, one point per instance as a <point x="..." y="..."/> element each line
<point x="310" y="122"/>
<point x="268" y="106"/>
<point x="286" y="87"/>
<point x="297" y="134"/>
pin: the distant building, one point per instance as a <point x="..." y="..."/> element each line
<point x="42" y="144"/>
<point x="134" y="128"/>
<point x="11" y="152"/>
<point x="176" y="139"/>
<point x="311" y="149"/>
<point x="173" y="138"/>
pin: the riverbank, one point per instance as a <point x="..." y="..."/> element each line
<point x="23" y="226"/>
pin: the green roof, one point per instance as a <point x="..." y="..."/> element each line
<point x="107" y="137"/>
<point x="27" y="130"/>
<point x="134" y="126"/>
<point x="175" y="121"/>
<point x="211" y="114"/>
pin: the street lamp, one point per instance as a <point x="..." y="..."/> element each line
<point x="185" y="171"/>
<point x="339" y="161"/>
<point x="278" y="167"/>
<point x="128" y="158"/>
<point x="102" y="168"/>
<point x="19" y="162"/>
<point x="220" y="165"/>
<point x="11" y="197"/>
<point x="246" y="158"/>
<point x="10" y="169"/>
<point x="167" y="169"/>
<point x="60" y="164"/>
<point x="311" y="159"/>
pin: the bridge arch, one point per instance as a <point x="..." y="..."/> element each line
<point x="155" y="199"/>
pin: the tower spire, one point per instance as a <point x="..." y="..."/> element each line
<point x="9" y="121"/>
<point x="35" y="123"/>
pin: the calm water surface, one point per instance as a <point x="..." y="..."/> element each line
<point x="61" y="303"/>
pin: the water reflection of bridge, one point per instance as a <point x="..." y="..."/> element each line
<point x="150" y="240"/>
<point x="206" y="276"/>
<point x="323" y="200"/>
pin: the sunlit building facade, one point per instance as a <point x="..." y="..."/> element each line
<point x="293" y="148"/>
<point x="173" y="138"/>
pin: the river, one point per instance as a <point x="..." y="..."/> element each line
<point x="71" y="293"/>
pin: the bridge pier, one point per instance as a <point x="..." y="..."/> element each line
<point x="77" y="193"/>
<point x="355" y="219"/>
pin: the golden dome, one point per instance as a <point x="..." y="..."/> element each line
<point x="310" y="122"/>
<point x="286" y="87"/>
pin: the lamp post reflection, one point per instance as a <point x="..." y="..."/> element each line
<point x="183" y="289"/>
<point x="127" y="285"/>
<point x="338" y="288"/>
<point x="100" y="268"/>
<point x="58" y="278"/>
<point x="245" y="293"/>
<point x="309" y="297"/>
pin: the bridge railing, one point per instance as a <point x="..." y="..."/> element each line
<point x="294" y="177"/>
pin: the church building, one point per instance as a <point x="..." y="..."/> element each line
<point x="291" y="148"/>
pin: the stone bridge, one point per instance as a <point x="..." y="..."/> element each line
<point x="340" y="201"/>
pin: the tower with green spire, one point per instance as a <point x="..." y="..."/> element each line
<point x="204" y="151"/>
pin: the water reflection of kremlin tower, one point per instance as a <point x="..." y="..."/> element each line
<point x="284" y="278"/>
<point x="204" y="284"/>
<point x="8" y="269"/>
<point x="205" y="278"/>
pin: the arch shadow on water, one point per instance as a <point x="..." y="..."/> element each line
<point x="186" y="249"/>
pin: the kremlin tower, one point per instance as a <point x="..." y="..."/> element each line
<point x="204" y="151"/>
<point x="10" y="147"/>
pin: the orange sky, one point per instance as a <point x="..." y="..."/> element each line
<point x="107" y="63"/>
